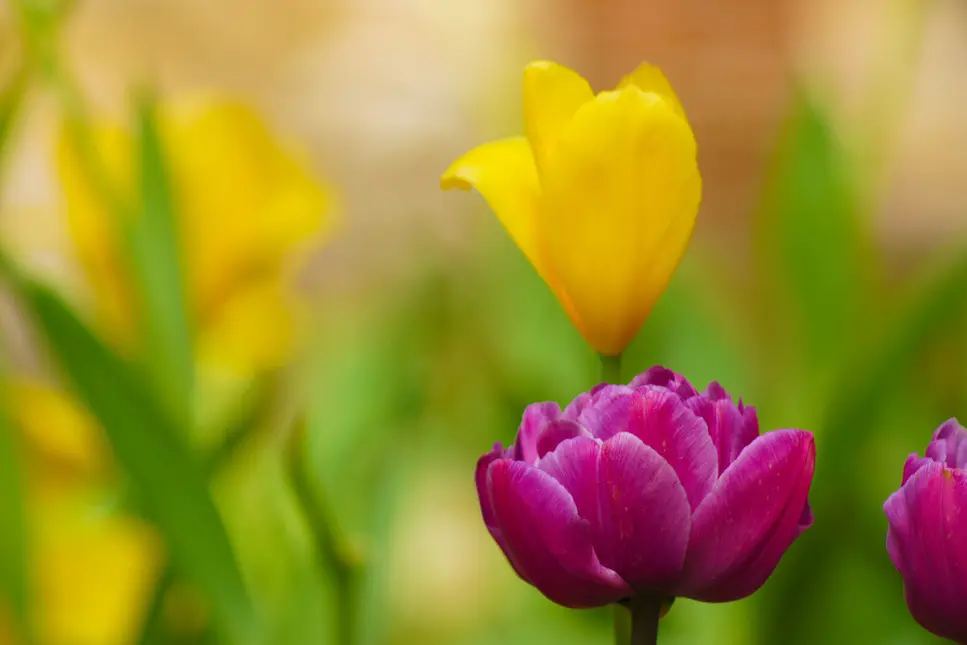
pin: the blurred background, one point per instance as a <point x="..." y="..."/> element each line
<point x="251" y="352"/>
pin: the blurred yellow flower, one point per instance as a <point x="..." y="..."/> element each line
<point x="92" y="570"/>
<point x="601" y="194"/>
<point x="245" y="204"/>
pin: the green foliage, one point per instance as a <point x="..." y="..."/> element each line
<point x="148" y="444"/>
<point x="153" y="238"/>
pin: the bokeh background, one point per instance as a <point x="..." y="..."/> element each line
<point x="239" y="199"/>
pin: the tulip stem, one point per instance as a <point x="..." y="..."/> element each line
<point x="611" y="368"/>
<point x="332" y="549"/>
<point x="645" y="613"/>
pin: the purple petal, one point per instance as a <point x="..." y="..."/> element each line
<point x="666" y="378"/>
<point x="547" y="542"/>
<point x="949" y="445"/>
<point x="659" y="418"/>
<point x="912" y="465"/>
<point x="750" y="518"/>
<point x="925" y="540"/>
<point x="643" y="526"/>
<point x="536" y="417"/>
<point x="732" y="427"/>
<point x="575" y="466"/>
<point x="480" y="477"/>
<point x="557" y="431"/>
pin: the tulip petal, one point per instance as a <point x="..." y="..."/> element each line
<point x="480" y="478"/>
<point x="666" y="378"/>
<point x="731" y="427"/>
<point x="949" y="445"/>
<point x="552" y="95"/>
<point x="649" y="78"/>
<point x="636" y="506"/>
<point x="928" y="523"/>
<point x="505" y="174"/>
<point x="620" y="196"/>
<point x="536" y="418"/>
<point x="546" y="541"/>
<point x="750" y="518"/>
<point x="644" y="520"/>
<point x="912" y="465"/>
<point x="557" y="432"/>
<point x="659" y="418"/>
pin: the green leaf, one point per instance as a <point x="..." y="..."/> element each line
<point x="11" y="99"/>
<point x="813" y="246"/>
<point x="14" y="547"/>
<point x="146" y="442"/>
<point x="153" y="238"/>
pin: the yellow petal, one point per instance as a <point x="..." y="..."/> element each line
<point x="93" y="224"/>
<point x="94" y="576"/>
<point x="250" y="332"/>
<point x="552" y="95"/>
<point x="245" y="201"/>
<point x="620" y="198"/>
<point x="649" y="78"/>
<point x="504" y="173"/>
<point x="61" y="432"/>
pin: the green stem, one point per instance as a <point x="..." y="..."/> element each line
<point x="645" y="613"/>
<point x="330" y="546"/>
<point x="611" y="368"/>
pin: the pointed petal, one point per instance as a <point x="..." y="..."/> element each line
<point x="552" y="95"/>
<point x="746" y="523"/>
<point x="912" y="465"/>
<point x="575" y="465"/>
<point x="620" y="196"/>
<point x="546" y="540"/>
<point x="928" y="526"/>
<point x="731" y="428"/>
<point x="643" y="525"/>
<point x="504" y="173"/>
<point x="536" y="418"/>
<point x="664" y="377"/>
<point x="480" y="478"/>
<point x="949" y="445"/>
<point x="557" y="432"/>
<point x="648" y="78"/>
<point x="659" y="418"/>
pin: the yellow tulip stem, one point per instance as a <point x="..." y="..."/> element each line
<point x="611" y="368"/>
<point x="331" y="547"/>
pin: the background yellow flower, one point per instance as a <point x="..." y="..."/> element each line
<point x="245" y="206"/>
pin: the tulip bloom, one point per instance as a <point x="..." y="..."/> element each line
<point x="928" y="530"/>
<point x="601" y="195"/>
<point x="650" y="488"/>
<point x="93" y="571"/>
<point x="245" y="205"/>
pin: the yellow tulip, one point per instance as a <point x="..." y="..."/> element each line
<point x="92" y="571"/>
<point x="245" y="205"/>
<point x="601" y="194"/>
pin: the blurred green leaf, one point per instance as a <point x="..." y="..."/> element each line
<point x="813" y="246"/>
<point x="153" y="237"/>
<point x="14" y="546"/>
<point x="878" y="370"/>
<point x="147" y="443"/>
<point x="11" y="98"/>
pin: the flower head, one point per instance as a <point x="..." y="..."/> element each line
<point x="646" y="488"/>
<point x="244" y="205"/>
<point x="928" y="528"/>
<point x="601" y="194"/>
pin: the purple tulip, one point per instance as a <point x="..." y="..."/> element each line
<point x="927" y="537"/>
<point x="649" y="488"/>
